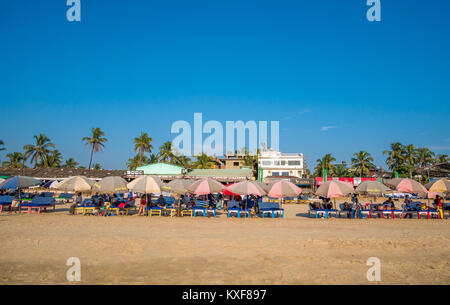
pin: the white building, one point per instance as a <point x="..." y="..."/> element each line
<point x="275" y="163"/>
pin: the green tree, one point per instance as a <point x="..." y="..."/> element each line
<point x="441" y="158"/>
<point x="165" y="153"/>
<point x="409" y="154"/>
<point x="340" y="170"/>
<point x="40" y="150"/>
<point x="154" y="158"/>
<point x="96" y="142"/>
<point x="395" y="157"/>
<point x="71" y="163"/>
<point x="143" y="145"/>
<point x="362" y="162"/>
<point x="183" y="161"/>
<point x="137" y="161"/>
<point x="424" y="156"/>
<point x="324" y="163"/>
<point x="204" y="162"/>
<point x="53" y="159"/>
<point x="97" y="166"/>
<point x="15" y="160"/>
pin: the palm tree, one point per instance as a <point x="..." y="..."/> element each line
<point x="15" y="160"/>
<point x="53" y="159"/>
<point x="97" y="166"/>
<point x="143" y="145"/>
<point x="340" y="171"/>
<point x="71" y="163"/>
<point x="424" y="156"/>
<point x="96" y="142"/>
<point x="362" y="162"/>
<point x="395" y="156"/>
<point x="136" y="161"/>
<point x="204" y="161"/>
<point x="165" y="152"/>
<point x="2" y="144"/>
<point x="40" y="150"/>
<point x="324" y="163"/>
<point x="441" y="159"/>
<point x="154" y="158"/>
<point x="183" y="161"/>
<point x="409" y="154"/>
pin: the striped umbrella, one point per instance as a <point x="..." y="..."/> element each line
<point x="178" y="186"/>
<point x="206" y="186"/>
<point x="333" y="189"/>
<point x="284" y="188"/>
<point x="407" y="185"/>
<point x="148" y="184"/>
<point x="113" y="184"/>
<point x="246" y="188"/>
<point x="75" y="184"/>
<point x="228" y="192"/>
<point x="441" y="186"/>
<point x="372" y="188"/>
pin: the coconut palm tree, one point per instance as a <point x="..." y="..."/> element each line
<point x="183" y="161"/>
<point x="441" y="158"/>
<point x="204" y="161"/>
<point x="97" y="166"/>
<point x="96" y="142"/>
<point x="340" y="171"/>
<point x="395" y="156"/>
<point x="409" y="154"/>
<point x="142" y="144"/>
<point x="15" y="160"/>
<point x="154" y="158"/>
<point x="71" y="163"/>
<point x="53" y="159"/>
<point x="362" y="162"/>
<point x="165" y="152"/>
<point x="40" y="150"/>
<point x="324" y="163"/>
<point x="424" y="156"/>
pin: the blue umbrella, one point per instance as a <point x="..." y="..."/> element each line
<point x="19" y="182"/>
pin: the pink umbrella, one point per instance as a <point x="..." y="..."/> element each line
<point x="284" y="188"/>
<point x="333" y="189"/>
<point x="205" y="187"/>
<point x="246" y="188"/>
<point x="407" y="185"/>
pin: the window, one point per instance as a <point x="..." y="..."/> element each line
<point x="297" y="163"/>
<point x="283" y="162"/>
<point x="285" y="174"/>
<point x="235" y="163"/>
<point x="276" y="162"/>
<point x="275" y="174"/>
<point x="266" y="163"/>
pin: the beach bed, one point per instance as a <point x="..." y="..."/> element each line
<point x="6" y="202"/>
<point x="271" y="208"/>
<point x="37" y="205"/>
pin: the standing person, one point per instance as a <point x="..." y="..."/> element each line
<point x="438" y="204"/>
<point x="143" y="206"/>
<point x="407" y="205"/>
<point x="78" y="201"/>
<point x="356" y="207"/>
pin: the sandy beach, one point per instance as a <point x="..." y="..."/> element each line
<point x="163" y="250"/>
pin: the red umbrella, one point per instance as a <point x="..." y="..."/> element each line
<point x="227" y="192"/>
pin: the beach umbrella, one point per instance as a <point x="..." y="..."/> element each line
<point x="206" y="186"/>
<point x="1" y="180"/>
<point x="148" y="184"/>
<point x="228" y="192"/>
<point x="372" y="188"/>
<point x="19" y="182"/>
<point x="442" y="186"/>
<point x="284" y="188"/>
<point x="406" y="185"/>
<point x="264" y="186"/>
<point x="431" y="195"/>
<point x="112" y="184"/>
<point x="246" y="188"/>
<point x="51" y="184"/>
<point x="178" y="186"/>
<point x="333" y="189"/>
<point x="75" y="184"/>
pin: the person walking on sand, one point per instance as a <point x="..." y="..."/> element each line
<point x="356" y="207"/>
<point x="143" y="205"/>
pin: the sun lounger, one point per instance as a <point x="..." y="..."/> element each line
<point x="322" y="212"/>
<point x="271" y="208"/>
<point x="347" y="212"/>
<point x="65" y="197"/>
<point x="290" y="200"/>
<point x="38" y="204"/>
<point x="233" y="209"/>
<point x="6" y="202"/>
<point x="46" y="194"/>
<point x="390" y="213"/>
<point x="428" y="213"/>
<point x="154" y="211"/>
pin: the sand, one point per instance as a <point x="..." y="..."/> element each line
<point x="162" y="250"/>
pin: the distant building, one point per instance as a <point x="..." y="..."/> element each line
<point x="440" y="170"/>
<point x="233" y="161"/>
<point x="272" y="163"/>
<point x="164" y="170"/>
<point x="222" y="175"/>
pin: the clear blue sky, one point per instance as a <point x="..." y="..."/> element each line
<point x="132" y="66"/>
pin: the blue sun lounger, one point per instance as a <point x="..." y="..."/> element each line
<point x="271" y="208"/>
<point x="38" y="204"/>
<point x="6" y="201"/>
<point x="322" y="212"/>
<point x="233" y="209"/>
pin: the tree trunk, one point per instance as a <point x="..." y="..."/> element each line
<point x="92" y="155"/>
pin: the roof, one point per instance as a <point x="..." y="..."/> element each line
<point x="225" y="174"/>
<point x="49" y="173"/>
<point x="161" y="168"/>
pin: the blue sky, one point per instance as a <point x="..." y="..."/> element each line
<point x="336" y="82"/>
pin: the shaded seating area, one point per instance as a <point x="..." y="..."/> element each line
<point x="64" y="197"/>
<point x="325" y="213"/>
<point x="271" y="208"/>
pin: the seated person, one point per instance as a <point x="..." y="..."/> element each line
<point x="347" y="206"/>
<point x="326" y="204"/>
<point x="314" y="206"/>
<point x="161" y="202"/>
<point x="183" y="202"/>
<point x="191" y="203"/>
